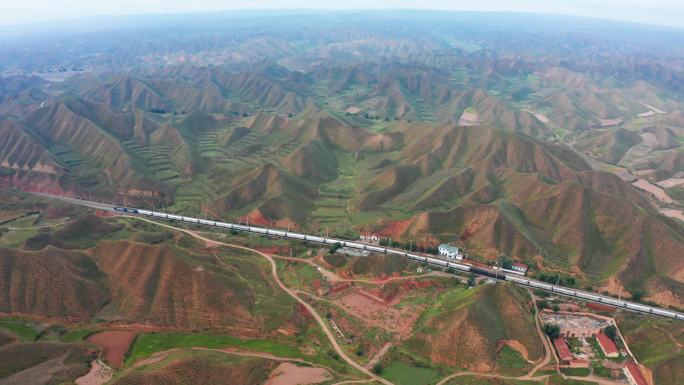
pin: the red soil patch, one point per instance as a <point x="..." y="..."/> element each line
<point x="600" y="307"/>
<point x="256" y="217"/>
<point x="395" y="229"/>
<point x="114" y="343"/>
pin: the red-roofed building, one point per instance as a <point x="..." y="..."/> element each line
<point x="519" y="267"/>
<point x="607" y="345"/>
<point x="633" y="374"/>
<point x="563" y="350"/>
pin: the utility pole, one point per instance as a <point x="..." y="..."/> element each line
<point x="558" y="280"/>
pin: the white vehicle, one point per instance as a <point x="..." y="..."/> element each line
<point x="206" y="222"/>
<point x="376" y="249"/>
<point x="224" y="225"/>
<point x="175" y="217"/>
<point x="516" y="279"/>
<point x="634" y="306"/>
<point x="295" y="235"/>
<point x="330" y="241"/>
<point x="613" y="302"/>
<point x="588" y="296"/>
<point x="190" y="219"/>
<point x="315" y="239"/>
<point x="680" y="316"/>
<point x="159" y="215"/>
<point x="563" y="291"/>
<point x="458" y="266"/>
<point x="259" y="230"/>
<point x="396" y="252"/>
<point x="354" y="245"/>
<point x="437" y="262"/>
<point x="540" y="285"/>
<point x="664" y="313"/>
<point x="144" y="212"/>
<point x="241" y="227"/>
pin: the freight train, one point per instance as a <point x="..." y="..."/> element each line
<point x="418" y="258"/>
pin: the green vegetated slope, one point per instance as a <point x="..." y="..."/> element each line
<point x="656" y="344"/>
<point x="349" y="146"/>
<point x="491" y="190"/>
<point x="484" y="329"/>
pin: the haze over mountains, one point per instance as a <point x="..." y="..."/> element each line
<point x="514" y="135"/>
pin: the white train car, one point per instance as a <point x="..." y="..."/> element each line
<point x="159" y="215"/>
<point x="637" y="307"/>
<point x="680" y="316"/>
<point x="190" y="220"/>
<point x="259" y="230"/>
<point x="277" y="233"/>
<point x="376" y="249"/>
<point x="330" y="241"/>
<point x="240" y="227"/>
<point x="206" y="222"/>
<point x="562" y="290"/>
<point x="664" y="313"/>
<point x="540" y="285"/>
<point x="354" y="245"/>
<point x="458" y="266"/>
<point x="224" y="225"/>
<point x="517" y="280"/>
<point x="437" y="262"/>
<point x="612" y="301"/>
<point x="144" y="212"/>
<point x="315" y="239"/>
<point x="589" y="296"/>
<point x="174" y="217"/>
<point x="295" y="236"/>
<point x="397" y="252"/>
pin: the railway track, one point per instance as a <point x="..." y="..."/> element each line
<point x="431" y="260"/>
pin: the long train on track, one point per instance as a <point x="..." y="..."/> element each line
<point x="584" y="295"/>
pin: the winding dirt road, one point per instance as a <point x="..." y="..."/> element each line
<point x="291" y="293"/>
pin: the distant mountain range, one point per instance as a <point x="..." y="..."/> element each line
<point x="431" y="130"/>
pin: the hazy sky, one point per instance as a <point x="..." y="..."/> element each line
<point x="665" y="12"/>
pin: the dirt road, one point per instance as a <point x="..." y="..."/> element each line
<point x="291" y="293"/>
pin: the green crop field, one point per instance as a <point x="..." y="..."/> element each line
<point x="22" y="329"/>
<point x="403" y="374"/>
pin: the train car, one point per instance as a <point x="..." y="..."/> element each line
<point x="277" y="233"/>
<point x="540" y="285"/>
<point x="396" y="252"/>
<point x="259" y="230"/>
<point x="144" y="212"/>
<point x="376" y="249"/>
<point x="664" y="313"/>
<point x="315" y="239"/>
<point x="207" y="222"/>
<point x="159" y="215"/>
<point x="458" y="266"/>
<point x="329" y="241"/>
<point x="240" y="227"/>
<point x="612" y="301"/>
<point x="591" y="297"/>
<point x="680" y="316"/>
<point x="563" y="290"/>
<point x="637" y="307"/>
<point x="437" y="262"/>
<point x="295" y="235"/>
<point x="190" y="219"/>
<point x="517" y="280"/>
<point x="355" y="245"/>
<point x="174" y="217"/>
<point x="224" y="225"/>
